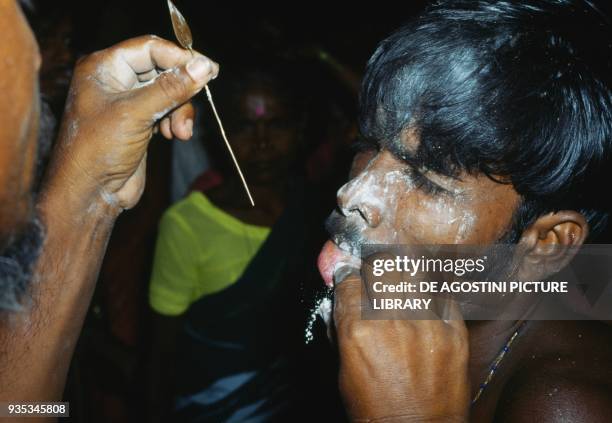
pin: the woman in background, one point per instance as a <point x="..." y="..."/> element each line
<point x="220" y="304"/>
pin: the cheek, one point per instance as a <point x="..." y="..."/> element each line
<point x="451" y="221"/>
<point x="241" y="144"/>
<point x="285" y="142"/>
<point x="427" y="220"/>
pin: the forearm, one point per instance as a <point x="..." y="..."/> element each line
<point x="38" y="342"/>
<point x="99" y="168"/>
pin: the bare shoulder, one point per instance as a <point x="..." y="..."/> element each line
<point x="564" y="373"/>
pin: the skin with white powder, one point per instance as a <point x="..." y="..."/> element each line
<point x="388" y="205"/>
<point x="388" y="202"/>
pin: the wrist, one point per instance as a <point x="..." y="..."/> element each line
<point x="75" y="199"/>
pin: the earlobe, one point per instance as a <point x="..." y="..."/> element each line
<point x="551" y="242"/>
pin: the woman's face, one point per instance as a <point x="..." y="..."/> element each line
<point x="264" y="136"/>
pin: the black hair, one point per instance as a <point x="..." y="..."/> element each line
<point x="514" y="89"/>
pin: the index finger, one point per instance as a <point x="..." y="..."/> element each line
<point x="150" y="52"/>
<point x="347" y="299"/>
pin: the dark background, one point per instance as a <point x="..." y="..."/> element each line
<point x="108" y="376"/>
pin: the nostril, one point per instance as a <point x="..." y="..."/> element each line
<point x="264" y="144"/>
<point x="371" y="215"/>
<point x="344" y="211"/>
<point x="347" y="212"/>
<point x="363" y="212"/>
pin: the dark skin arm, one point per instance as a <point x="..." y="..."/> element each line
<point x="97" y="170"/>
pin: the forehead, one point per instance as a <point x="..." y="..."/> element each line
<point x="259" y="102"/>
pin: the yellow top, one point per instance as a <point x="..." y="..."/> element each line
<point x="200" y="250"/>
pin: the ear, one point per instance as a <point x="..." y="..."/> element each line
<point x="550" y="243"/>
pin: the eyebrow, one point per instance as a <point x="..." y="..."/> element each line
<point x="399" y="150"/>
<point x="412" y="159"/>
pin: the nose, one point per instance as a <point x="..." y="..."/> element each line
<point x="261" y="136"/>
<point x="362" y="198"/>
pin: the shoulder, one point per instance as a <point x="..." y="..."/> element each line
<point x="567" y="376"/>
<point x="194" y="200"/>
<point x="196" y="208"/>
<point x="552" y="394"/>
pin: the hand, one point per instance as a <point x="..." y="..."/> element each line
<point x="117" y="99"/>
<point x="400" y="370"/>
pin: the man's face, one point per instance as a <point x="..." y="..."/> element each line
<point x="19" y="112"/>
<point x="388" y="202"/>
<point x="20" y="233"/>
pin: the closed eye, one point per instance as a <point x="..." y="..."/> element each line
<point x="424" y="184"/>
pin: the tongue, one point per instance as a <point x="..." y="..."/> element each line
<point x="330" y="259"/>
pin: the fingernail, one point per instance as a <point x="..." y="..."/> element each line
<point x="189" y="126"/>
<point x="198" y="68"/>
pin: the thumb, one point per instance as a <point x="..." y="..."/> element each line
<point x="172" y="88"/>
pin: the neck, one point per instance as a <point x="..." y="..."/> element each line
<point x="268" y="195"/>
<point x="487" y="338"/>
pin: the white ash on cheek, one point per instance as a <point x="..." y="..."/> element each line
<point x="439" y="218"/>
<point x="466" y="226"/>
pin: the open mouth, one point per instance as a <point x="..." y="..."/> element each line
<point x="334" y="255"/>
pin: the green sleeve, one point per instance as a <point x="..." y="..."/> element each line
<point x="174" y="276"/>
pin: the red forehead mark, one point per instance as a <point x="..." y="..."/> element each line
<point x="257" y="105"/>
